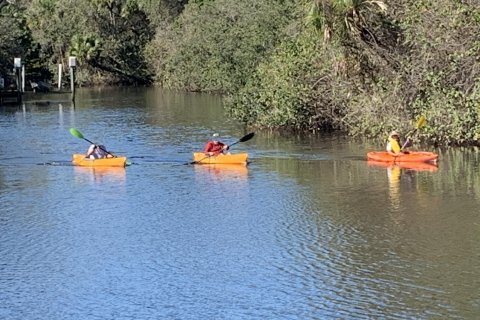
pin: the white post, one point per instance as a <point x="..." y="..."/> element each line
<point x="23" y="78"/>
<point x="72" y="63"/>
<point x="17" y="64"/>
<point x="60" y="70"/>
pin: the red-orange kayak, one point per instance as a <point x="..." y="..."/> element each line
<point x="80" y="160"/>
<point x="412" y="156"/>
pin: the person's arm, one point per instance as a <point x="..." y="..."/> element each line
<point x="407" y="143"/>
<point x="90" y="150"/>
<point x="208" y="148"/>
<point x="221" y="147"/>
<point x="390" y="151"/>
<point x="216" y="149"/>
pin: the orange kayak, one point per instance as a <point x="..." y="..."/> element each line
<point x="412" y="156"/>
<point x="80" y="160"/>
<point x="236" y="158"/>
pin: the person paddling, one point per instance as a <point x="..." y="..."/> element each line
<point x="214" y="146"/>
<point x="393" y="145"/>
<point x="97" y="152"/>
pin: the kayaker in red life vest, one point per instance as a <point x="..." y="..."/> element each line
<point x="97" y="152"/>
<point x="393" y="145"/>
<point x="215" y="147"/>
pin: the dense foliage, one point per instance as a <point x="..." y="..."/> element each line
<point x="366" y="67"/>
<point x="108" y="37"/>
<point x="214" y="46"/>
<point x="363" y="67"/>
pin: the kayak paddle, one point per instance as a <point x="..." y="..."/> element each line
<point x="74" y="132"/>
<point x="419" y="124"/>
<point x="242" y="139"/>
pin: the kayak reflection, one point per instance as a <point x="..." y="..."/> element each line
<point x="117" y="174"/>
<point x="223" y="171"/>
<point x="415" y="166"/>
<point x="402" y="171"/>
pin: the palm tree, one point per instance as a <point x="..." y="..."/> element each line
<point x="356" y="13"/>
<point x="85" y="47"/>
<point x="327" y="14"/>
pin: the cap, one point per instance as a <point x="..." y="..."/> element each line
<point x="215" y="135"/>
<point x="394" y="133"/>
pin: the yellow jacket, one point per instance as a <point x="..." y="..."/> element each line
<point x="393" y="145"/>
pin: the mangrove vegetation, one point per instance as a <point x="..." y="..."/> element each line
<point x="361" y="67"/>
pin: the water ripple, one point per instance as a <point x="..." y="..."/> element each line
<point x="306" y="231"/>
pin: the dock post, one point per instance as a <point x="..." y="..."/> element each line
<point x="60" y="71"/>
<point x="23" y="79"/>
<point x="17" y="65"/>
<point x="72" y="63"/>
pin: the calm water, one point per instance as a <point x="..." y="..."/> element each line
<point x="309" y="230"/>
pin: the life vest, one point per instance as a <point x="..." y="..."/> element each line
<point x="393" y="145"/>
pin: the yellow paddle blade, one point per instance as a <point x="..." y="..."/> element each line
<point x="421" y="122"/>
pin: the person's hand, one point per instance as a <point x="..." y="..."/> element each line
<point x="408" y="143"/>
<point x="226" y="147"/>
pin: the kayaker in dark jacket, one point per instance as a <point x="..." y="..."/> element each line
<point x="97" y="152"/>
<point x="214" y="146"/>
<point x="394" y="146"/>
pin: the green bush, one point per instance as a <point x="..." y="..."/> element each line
<point x="215" y="46"/>
<point x="373" y="74"/>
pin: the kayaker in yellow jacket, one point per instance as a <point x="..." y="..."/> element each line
<point x="394" y="146"/>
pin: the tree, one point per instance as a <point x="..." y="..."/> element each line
<point x="85" y="47"/>
<point x="123" y="30"/>
<point x="215" y="46"/>
<point x="15" y="38"/>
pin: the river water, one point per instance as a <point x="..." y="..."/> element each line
<point x="308" y="230"/>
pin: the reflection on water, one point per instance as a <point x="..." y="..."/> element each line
<point x="222" y="171"/>
<point x="101" y="174"/>
<point x="414" y="166"/>
<point x="309" y="230"/>
<point x="402" y="173"/>
<point x="394" y="174"/>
